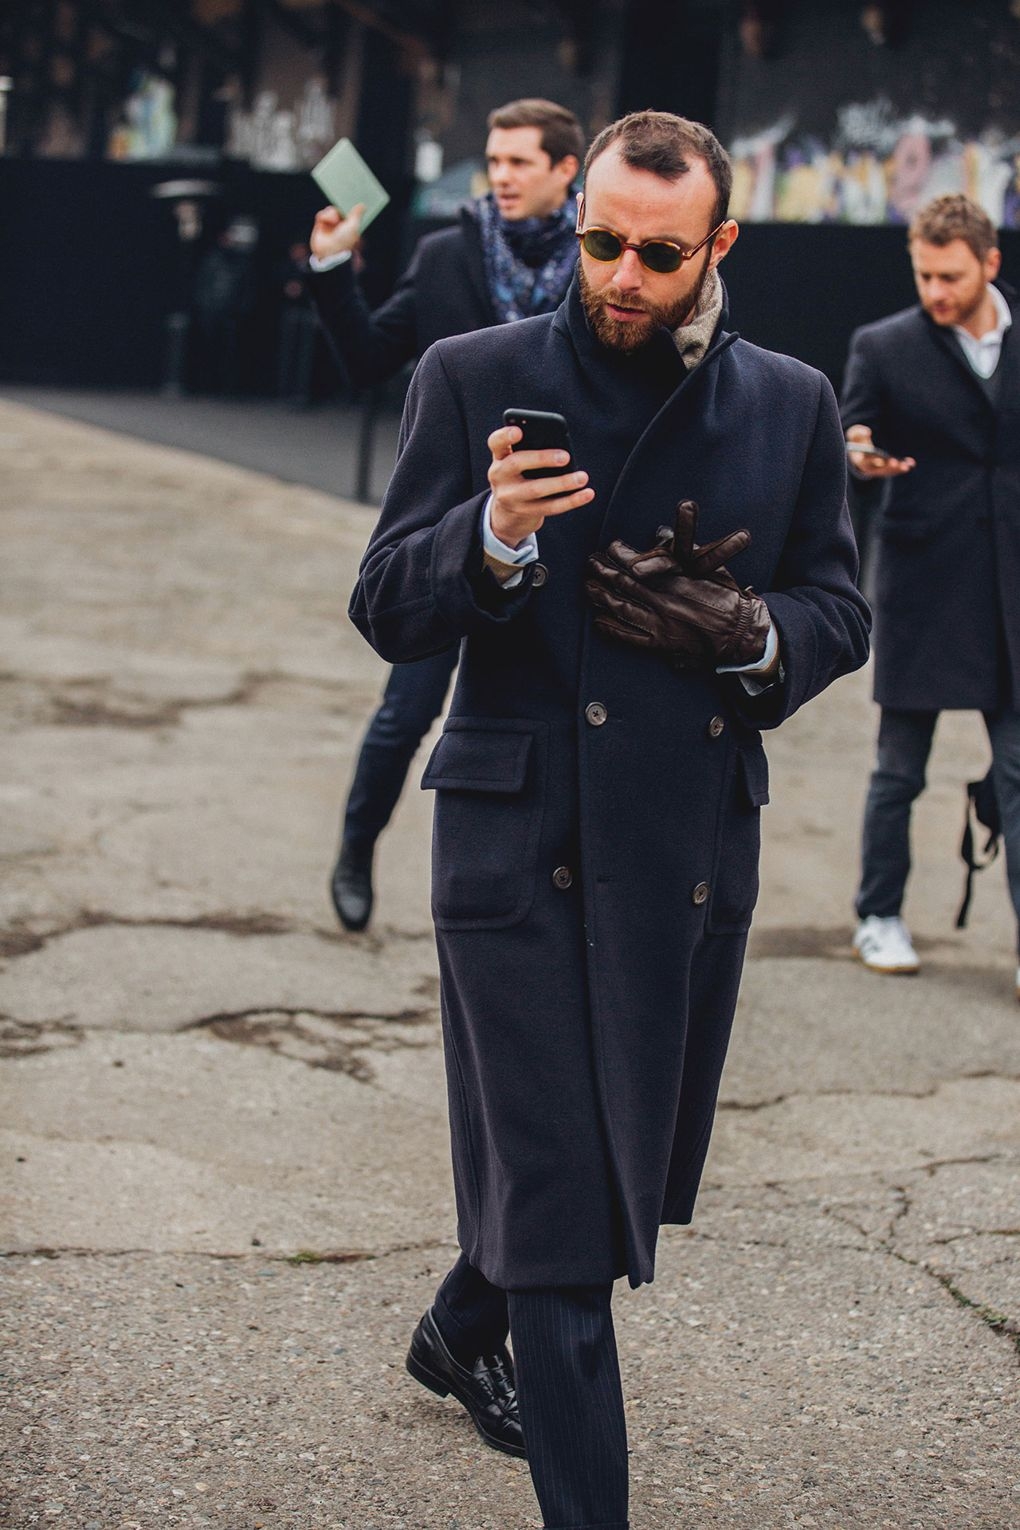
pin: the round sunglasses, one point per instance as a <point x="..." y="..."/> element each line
<point x="659" y="255"/>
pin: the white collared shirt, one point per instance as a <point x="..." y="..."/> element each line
<point x="983" y="351"/>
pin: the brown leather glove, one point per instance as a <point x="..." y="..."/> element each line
<point x="679" y="597"/>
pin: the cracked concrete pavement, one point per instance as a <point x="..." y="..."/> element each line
<point x="226" y="1183"/>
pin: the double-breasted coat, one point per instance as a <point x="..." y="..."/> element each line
<point x="595" y="853"/>
<point x="947" y="539"/>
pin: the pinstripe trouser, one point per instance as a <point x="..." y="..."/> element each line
<point x="568" y="1389"/>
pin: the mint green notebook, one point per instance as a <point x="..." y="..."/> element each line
<point x="346" y="180"/>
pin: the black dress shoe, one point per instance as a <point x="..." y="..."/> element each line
<point x="487" y="1390"/>
<point x="351" y="887"/>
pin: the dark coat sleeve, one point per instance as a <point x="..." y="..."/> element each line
<point x="422" y="585"/>
<point x="821" y="618"/>
<point x="370" y="346"/>
<point x="861" y="398"/>
<point x="861" y="404"/>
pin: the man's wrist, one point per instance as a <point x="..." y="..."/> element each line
<point x="511" y="536"/>
<point x="319" y="263"/>
<point x="504" y="561"/>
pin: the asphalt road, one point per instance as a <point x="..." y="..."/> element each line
<point x="226" y="1177"/>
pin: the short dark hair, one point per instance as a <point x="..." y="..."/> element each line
<point x="954" y="217"/>
<point x="665" y="145"/>
<point x="560" y="129"/>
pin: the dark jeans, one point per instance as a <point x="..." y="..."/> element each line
<point x="568" y="1388"/>
<point x="904" y="744"/>
<point x="412" y="701"/>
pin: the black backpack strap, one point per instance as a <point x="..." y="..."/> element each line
<point x="981" y="808"/>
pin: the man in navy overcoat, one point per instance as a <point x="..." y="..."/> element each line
<point x="938" y="388"/>
<point x="599" y="780"/>
<point x="509" y="256"/>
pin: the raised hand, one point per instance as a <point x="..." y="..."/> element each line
<point x="334" y="233"/>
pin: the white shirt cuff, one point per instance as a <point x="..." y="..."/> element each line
<point x="328" y="262"/>
<point x="515" y="557"/>
<point x="747" y="672"/>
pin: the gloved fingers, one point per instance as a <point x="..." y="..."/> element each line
<point x="618" y="555"/>
<point x="612" y="627"/>
<point x="704" y="561"/>
<point x="625" y="618"/>
<point x="626" y="577"/>
<point x="685" y="528"/>
<point x="616" y="590"/>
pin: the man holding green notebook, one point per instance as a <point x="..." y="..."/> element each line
<point x="510" y="255"/>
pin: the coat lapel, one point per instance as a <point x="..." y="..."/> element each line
<point x="475" y="264"/>
<point x="951" y="345"/>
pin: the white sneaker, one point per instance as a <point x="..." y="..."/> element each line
<point x="884" y="945"/>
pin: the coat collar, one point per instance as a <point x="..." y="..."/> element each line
<point x="947" y="340"/>
<point x="474" y="259"/>
<point x="658" y="361"/>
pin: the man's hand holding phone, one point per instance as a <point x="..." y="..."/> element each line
<point x="520" y="504"/>
<point x="868" y="461"/>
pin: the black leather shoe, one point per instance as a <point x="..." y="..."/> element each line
<point x="487" y="1391"/>
<point x="351" y="887"/>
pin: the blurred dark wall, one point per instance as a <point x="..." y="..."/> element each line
<point x="90" y="265"/>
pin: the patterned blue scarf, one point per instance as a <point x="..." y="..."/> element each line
<point x="529" y="261"/>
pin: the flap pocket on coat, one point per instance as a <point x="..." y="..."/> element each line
<point x="488" y="775"/>
<point x="467" y="759"/>
<point x="755" y="768"/>
<point x="735" y="886"/>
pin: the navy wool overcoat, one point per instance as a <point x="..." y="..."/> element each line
<point x="595" y="852"/>
<point x="947" y="539"/>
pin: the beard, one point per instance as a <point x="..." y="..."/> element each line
<point x="632" y="334"/>
<point x="959" y="312"/>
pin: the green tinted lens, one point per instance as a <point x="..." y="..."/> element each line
<point x="600" y="244"/>
<point x="660" y="257"/>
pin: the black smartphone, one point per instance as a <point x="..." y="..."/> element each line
<point x="871" y="451"/>
<point x="542" y="431"/>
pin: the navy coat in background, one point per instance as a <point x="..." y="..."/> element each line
<point x="442" y="292"/>
<point x="947" y="549"/>
<point x="595" y="854"/>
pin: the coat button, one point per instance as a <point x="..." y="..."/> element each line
<point x="539" y="575"/>
<point x="595" y="713"/>
<point x="716" y="726"/>
<point x="563" y="878"/>
<point x="700" y="893"/>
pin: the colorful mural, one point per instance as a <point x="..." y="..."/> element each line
<point x="878" y="168"/>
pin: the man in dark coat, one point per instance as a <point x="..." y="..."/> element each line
<point x="511" y="255"/>
<point x="938" y="388"/>
<point x="599" y="779"/>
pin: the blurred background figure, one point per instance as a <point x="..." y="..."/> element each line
<point x="931" y="405"/>
<point x="295" y="358"/>
<point x="223" y="304"/>
<point x="510" y="255"/>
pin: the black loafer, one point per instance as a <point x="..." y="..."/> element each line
<point x="351" y="887"/>
<point x="487" y="1391"/>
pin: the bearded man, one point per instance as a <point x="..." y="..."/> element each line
<point x="510" y="256"/>
<point x="599" y="779"/>
<point x="937" y="389"/>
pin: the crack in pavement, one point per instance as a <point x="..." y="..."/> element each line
<point x="91" y="701"/>
<point x="27" y="1038"/>
<point x="19" y="938"/>
<point x="310" y="1036"/>
<point x="925" y="1093"/>
<point x="301" y="1256"/>
<point x="998" y="1322"/>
